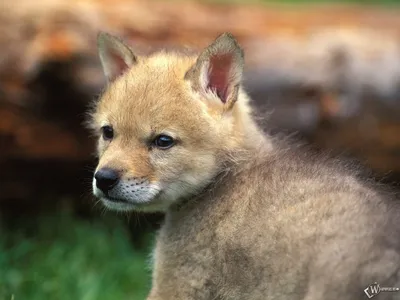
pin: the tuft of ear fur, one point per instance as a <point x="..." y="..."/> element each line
<point x="219" y="69"/>
<point x="115" y="56"/>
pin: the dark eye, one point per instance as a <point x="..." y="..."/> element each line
<point x="164" y="142"/>
<point x="107" y="132"/>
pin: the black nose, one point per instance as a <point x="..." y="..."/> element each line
<point x="106" y="179"/>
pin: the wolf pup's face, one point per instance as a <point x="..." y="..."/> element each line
<point x="162" y="122"/>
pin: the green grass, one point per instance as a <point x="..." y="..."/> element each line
<point x="62" y="257"/>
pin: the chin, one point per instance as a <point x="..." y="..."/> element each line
<point x="128" y="206"/>
<point x="123" y="206"/>
<point x="156" y="200"/>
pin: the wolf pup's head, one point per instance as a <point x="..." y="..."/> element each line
<point x="165" y="121"/>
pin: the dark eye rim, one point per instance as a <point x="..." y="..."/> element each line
<point x="166" y="146"/>
<point x="107" y="132"/>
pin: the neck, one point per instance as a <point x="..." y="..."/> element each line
<point x="250" y="134"/>
<point x="252" y="149"/>
<point x="249" y="144"/>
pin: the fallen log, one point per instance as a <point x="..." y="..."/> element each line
<point x="337" y="88"/>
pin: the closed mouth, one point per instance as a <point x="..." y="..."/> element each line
<point x="117" y="200"/>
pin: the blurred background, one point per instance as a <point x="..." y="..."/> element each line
<point x="325" y="72"/>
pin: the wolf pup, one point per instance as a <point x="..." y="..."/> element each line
<point x="247" y="217"/>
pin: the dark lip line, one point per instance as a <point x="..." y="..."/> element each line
<point x="111" y="199"/>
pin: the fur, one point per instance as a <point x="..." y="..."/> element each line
<point x="247" y="216"/>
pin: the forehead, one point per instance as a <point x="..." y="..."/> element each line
<point x="152" y="94"/>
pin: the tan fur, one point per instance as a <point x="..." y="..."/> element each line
<point x="247" y="216"/>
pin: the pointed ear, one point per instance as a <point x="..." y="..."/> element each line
<point x="219" y="69"/>
<point x="115" y="56"/>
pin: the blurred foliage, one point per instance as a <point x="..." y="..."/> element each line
<point x="64" y="257"/>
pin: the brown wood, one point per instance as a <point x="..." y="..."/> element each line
<point x="300" y="63"/>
